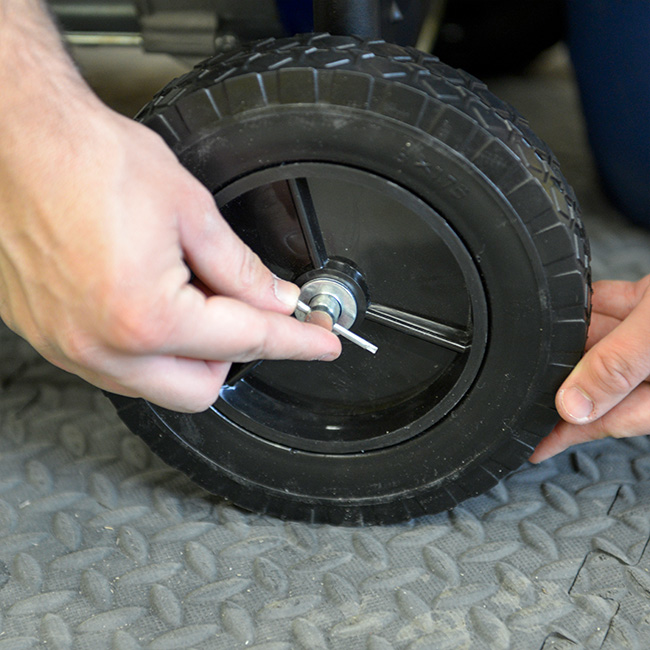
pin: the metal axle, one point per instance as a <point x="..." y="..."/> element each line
<point x="344" y="17"/>
<point x="303" y="310"/>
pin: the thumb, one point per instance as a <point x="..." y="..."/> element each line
<point x="224" y="263"/>
<point x="610" y="371"/>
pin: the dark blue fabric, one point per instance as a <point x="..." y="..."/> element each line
<point x="610" y="48"/>
<point x="297" y="15"/>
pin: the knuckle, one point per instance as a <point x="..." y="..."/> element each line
<point x="201" y="401"/>
<point x="249" y="271"/>
<point x="203" y="397"/>
<point x="75" y="346"/>
<point x="632" y="293"/>
<point x="614" y="372"/>
<point x="12" y="323"/>
<point x="600" y="429"/>
<point x="202" y="196"/>
<point x="642" y="288"/>
<point x="133" y="328"/>
<point x="197" y="196"/>
<point x="256" y="346"/>
<point x="259" y="348"/>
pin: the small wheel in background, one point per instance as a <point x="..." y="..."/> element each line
<point x="379" y="169"/>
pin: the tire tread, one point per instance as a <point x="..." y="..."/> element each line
<point x="460" y="111"/>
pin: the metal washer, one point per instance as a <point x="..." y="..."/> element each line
<point x="336" y="289"/>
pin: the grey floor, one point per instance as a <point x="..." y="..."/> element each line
<point x="102" y="546"/>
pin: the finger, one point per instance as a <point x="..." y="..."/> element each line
<point x="618" y="298"/>
<point x="223" y="329"/>
<point x="629" y="418"/>
<point x="609" y="371"/>
<point x="600" y="327"/>
<point x="225" y="264"/>
<point x="563" y="436"/>
<point x="185" y="385"/>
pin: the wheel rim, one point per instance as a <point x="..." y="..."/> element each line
<point x="418" y="294"/>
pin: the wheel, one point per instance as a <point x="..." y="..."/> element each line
<point x="378" y="169"/>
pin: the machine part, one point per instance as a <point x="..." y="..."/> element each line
<point x="500" y="36"/>
<point x="400" y="21"/>
<point x="325" y="286"/>
<point x="204" y="27"/>
<point x="434" y="203"/>
<point x="360" y="17"/>
<point x="447" y="336"/>
<point x="331" y="295"/>
<point x="193" y="28"/>
<point x="109" y="22"/>
<point x="324" y="304"/>
<point x="186" y="33"/>
<point x="97" y="16"/>
<point x="354" y="338"/>
<point x="303" y="311"/>
<point x="431" y="25"/>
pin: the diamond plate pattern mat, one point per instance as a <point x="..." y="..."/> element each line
<point x="104" y="547"/>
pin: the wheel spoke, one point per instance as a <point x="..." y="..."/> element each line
<point x="240" y="370"/>
<point x="306" y="213"/>
<point x="446" y="336"/>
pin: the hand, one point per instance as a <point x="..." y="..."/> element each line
<point x="608" y="392"/>
<point x="99" y="227"/>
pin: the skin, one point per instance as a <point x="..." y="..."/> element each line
<point x="608" y="392"/>
<point x="99" y="228"/>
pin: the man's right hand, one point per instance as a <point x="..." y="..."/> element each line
<point x="99" y="227"/>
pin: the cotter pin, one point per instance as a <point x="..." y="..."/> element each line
<point x="305" y="310"/>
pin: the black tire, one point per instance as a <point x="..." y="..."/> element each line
<point x="471" y="204"/>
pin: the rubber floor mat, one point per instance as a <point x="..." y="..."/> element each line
<point x="103" y="546"/>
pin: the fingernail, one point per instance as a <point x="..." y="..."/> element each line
<point x="327" y="357"/>
<point x="286" y="292"/>
<point x="577" y="404"/>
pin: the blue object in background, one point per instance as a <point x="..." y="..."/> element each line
<point x="297" y="15"/>
<point x="609" y="42"/>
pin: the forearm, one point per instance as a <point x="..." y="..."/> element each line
<point x="97" y="220"/>
<point x="36" y="72"/>
<point x="30" y="41"/>
<point x="42" y="152"/>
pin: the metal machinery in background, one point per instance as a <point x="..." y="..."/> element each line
<point x="483" y="37"/>
<point x="204" y="27"/>
<point x="420" y="216"/>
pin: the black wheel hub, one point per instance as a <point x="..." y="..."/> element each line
<point x="418" y="294"/>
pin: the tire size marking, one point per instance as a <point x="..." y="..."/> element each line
<point x="444" y="181"/>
